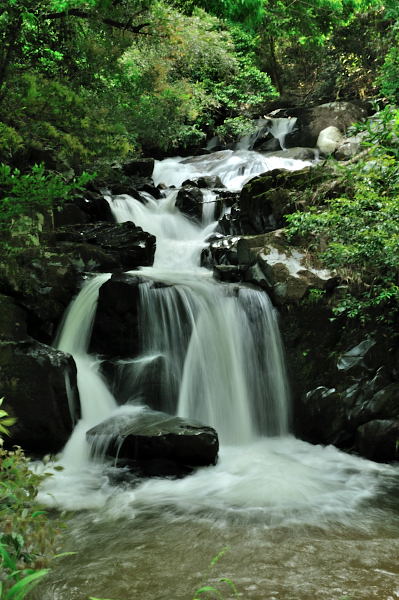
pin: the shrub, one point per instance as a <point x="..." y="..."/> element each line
<point x="27" y="536"/>
<point x="358" y="234"/>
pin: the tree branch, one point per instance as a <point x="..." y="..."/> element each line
<point x="84" y="14"/>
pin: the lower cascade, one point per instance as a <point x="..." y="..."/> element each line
<point x="210" y="353"/>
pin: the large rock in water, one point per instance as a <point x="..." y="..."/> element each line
<point x="40" y="390"/>
<point x="266" y="199"/>
<point x="42" y="283"/>
<point x="154" y="437"/>
<point x="116" y="323"/>
<point x="129" y="245"/>
<point x="189" y="201"/>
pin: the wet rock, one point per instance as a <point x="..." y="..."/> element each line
<point x="384" y="404"/>
<point x="326" y="417"/>
<point x="93" y="205"/>
<point x="295" y="153"/>
<point x="265" y="200"/>
<point x="230" y="223"/>
<point x="69" y="214"/>
<point x="353" y="359"/>
<point x="39" y="387"/>
<point x="311" y="121"/>
<point x="289" y="273"/>
<point x="231" y="273"/>
<point x="378" y="440"/>
<point x="209" y="181"/>
<point x="116" y="323"/>
<point x="12" y="320"/>
<point x="349" y="147"/>
<point x="140" y="167"/>
<point x="189" y="202"/>
<point x="129" y="245"/>
<point x="154" y="436"/>
<point x="222" y="250"/>
<point x="42" y="283"/>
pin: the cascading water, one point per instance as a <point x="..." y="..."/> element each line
<point x="217" y="355"/>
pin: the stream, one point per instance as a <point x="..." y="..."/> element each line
<point x="286" y="520"/>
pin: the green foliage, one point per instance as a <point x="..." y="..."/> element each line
<point x="358" y="234"/>
<point x="234" y="128"/>
<point x="22" y="195"/>
<point x="223" y="584"/>
<point x="27" y="536"/>
<point x="5" y="420"/>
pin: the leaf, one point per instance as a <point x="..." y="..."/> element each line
<point x="206" y="589"/>
<point x="20" y="589"/>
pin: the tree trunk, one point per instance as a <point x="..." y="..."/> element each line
<point x="274" y="67"/>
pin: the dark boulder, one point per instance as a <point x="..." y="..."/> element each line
<point x="230" y="223"/>
<point x="94" y="206"/>
<point x="210" y="181"/>
<point x="378" y="440"/>
<point x="152" y="436"/>
<point x="42" y="283"/>
<point x="266" y="199"/>
<point x="326" y="417"/>
<point x="12" y="320"/>
<point x="40" y="390"/>
<point x="140" y="167"/>
<point x="189" y="201"/>
<point x="369" y="406"/>
<point x="311" y="121"/>
<point x="222" y="250"/>
<point x="116" y="323"/>
<point x="129" y="245"/>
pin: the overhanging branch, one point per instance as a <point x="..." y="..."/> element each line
<point x="84" y="14"/>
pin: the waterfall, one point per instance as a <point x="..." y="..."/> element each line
<point x="278" y="127"/>
<point x="212" y="350"/>
<point x="96" y="400"/>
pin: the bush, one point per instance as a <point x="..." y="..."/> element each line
<point x="27" y="536"/>
<point x="24" y="194"/>
<point x="358" y="234"/>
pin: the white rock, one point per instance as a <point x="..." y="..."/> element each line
<point x="329" y="140"/>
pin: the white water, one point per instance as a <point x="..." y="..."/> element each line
<point x="223" y="364"/>
<point x="279" y="128"/>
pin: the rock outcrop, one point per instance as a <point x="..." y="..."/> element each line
<point x="40" y="390"/>
<point x="144" y="440"/>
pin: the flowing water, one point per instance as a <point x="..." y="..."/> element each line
<point x="299" y="521"/>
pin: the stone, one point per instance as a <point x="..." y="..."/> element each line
<point x="295" y="153"/>
<point x="329" y="139"/>
<point x="140" y="167"/>
<point x="349" y="147"/>
<point x="94" y="206"/>
<point x="150" y="435"/>
<point x="222" y="250"/>
<point x="189" y="201"/>
<point x="289" y="272"/>
<point x="117" y="314"/>
<point x="378" y="440"/>
<point x="42" y="283"/>
<point x="311" y="121"/>
<point x="210" y="181"/>
<point x="129" y="245"/>
<point x="369" y="406"/>
<point x="40" y="390"/>
<point x="266" y="199"/>
<point x="12" y="320"/>
<point x="326" y="417"/>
